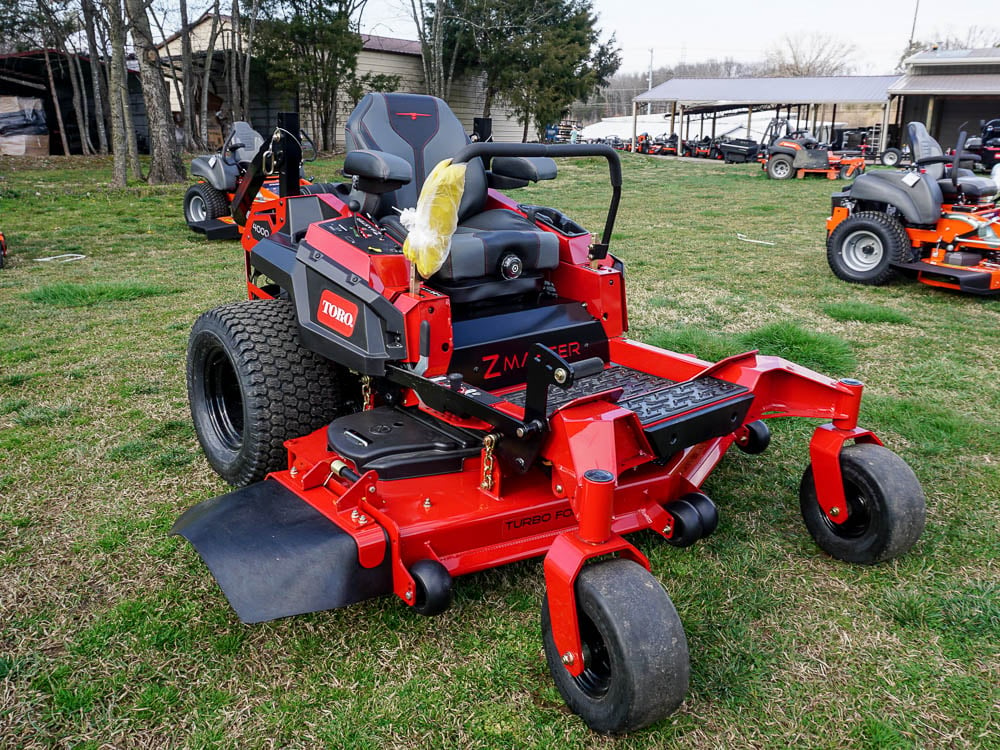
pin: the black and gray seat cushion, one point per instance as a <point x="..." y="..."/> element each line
<point x="971" y="186"/>
<point x="424" y="131"/>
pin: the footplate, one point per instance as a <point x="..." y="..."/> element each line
<point x="689" y="413"/>
<point x="673" y="415"/>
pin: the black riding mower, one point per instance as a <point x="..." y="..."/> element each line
<point x="388" y="433"/>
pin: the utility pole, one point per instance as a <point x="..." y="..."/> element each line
<point x="913" y="28"/>
<point x="649" y="82"/>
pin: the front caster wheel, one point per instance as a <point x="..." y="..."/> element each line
<point x="634" y="650"/>
<point x="885" y="507"/>
<point x="433" y="582"/>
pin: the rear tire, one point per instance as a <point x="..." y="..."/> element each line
<point x="636" y="663"/>
<point x="885" y="507"/>
<point x="891" y="157"/>
<point x="779" y="167"/>
<point x="252" y="386"/>
<point x="863" y="248"/>
<point x="202" y="202"/>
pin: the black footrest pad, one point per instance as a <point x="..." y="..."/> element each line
<point x="679" y="398"/>
<point x="632" y="382"/>
<point x="690" y="413"/>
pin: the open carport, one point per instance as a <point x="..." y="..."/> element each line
<point x="805" y="100"/>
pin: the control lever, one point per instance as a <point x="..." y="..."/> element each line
<point x="546" y="368"/>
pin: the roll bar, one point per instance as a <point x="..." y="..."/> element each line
<point x="489" y="150"/>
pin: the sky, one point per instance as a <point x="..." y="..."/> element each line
<point x="743" y="29"/>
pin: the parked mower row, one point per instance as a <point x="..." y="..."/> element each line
<point x="386" y="434"/>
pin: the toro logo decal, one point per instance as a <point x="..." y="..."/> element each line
<point x="337" y="313"/>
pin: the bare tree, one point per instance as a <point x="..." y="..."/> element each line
<point x="58" y="24"/>
<point x="96" y="72"/>
<point x="810" y="55"/>
<point x="118" y="93"/>
<point x="166" y="162"/>
<point x="207" y="74"/>
<point x="55" y="102"/>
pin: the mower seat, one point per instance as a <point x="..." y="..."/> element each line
<point x="497" y="250"/>
<point x="969" y="185"/>
<point x="248" y="141"/>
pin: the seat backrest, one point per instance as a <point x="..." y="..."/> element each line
<point x="923" y="146"/>
<point x="243" y="133"/>
<point x="423" y="131"/>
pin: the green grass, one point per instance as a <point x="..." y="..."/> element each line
<point x="865" y="313"/>
<point x="67" y="294"/>
<point x="113" y="633"/>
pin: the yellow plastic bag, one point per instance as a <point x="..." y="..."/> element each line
<point x="432" y="223"/>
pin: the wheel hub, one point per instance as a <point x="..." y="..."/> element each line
<point x="224" y="400"/>
<point x="595" y="679"/>
<point x="862" y="251"/>
<point x="197" y="209"/>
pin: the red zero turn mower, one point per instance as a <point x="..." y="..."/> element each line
<point x="386" y="439"/>
<point x="945" y="228"/>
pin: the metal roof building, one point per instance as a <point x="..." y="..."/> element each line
<point x="712" y="96"/>
<point x="941" y="88"/>
<point x="949" y="89"/>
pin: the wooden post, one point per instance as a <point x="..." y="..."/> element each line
<point x="884" y="135"/>
<point x="635" y="122"/>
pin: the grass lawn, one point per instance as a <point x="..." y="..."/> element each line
<point x="113" y="634"/>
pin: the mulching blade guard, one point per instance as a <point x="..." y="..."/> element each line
<point x="274" y="555"/>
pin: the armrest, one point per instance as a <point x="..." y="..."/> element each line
<point x="377" y="171"/>
<point x="524" y="167"/>
<point x="940" y="159"/>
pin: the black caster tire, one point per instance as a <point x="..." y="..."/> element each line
<point x="636" y="664"/>
<point x="202" y="202"/>
<point x="252" y="386"/>
<point x="433" y="581"/>
<point x="779" y="167"/>
<point x="885" y="507"/>
<point x="863" y="248"/>
<point x="708" y="513"/>
<point x="688" y="526"/>
<point x="757" y="438"/>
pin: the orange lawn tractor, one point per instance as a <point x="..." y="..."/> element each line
<point x="207" y="202"/>
<point x="799" y="153"/>
<point x="945" y="227"/>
